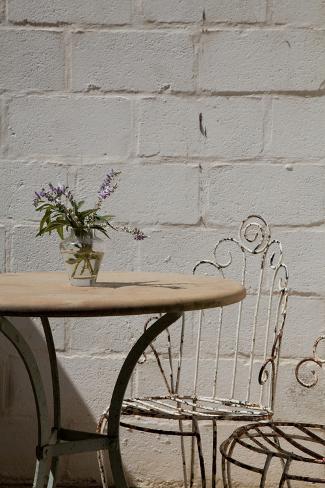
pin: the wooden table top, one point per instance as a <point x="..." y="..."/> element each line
<point x="130" y="293"/>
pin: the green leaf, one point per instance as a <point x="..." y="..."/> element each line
<point x="46" y="218"/>
<point x="85" y="213"/>
<point x="60" y="231"/>
<point x="103" y="218"/>
<point x="100" y="229"/>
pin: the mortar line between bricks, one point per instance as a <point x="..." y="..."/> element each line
<point x="2" y="115"/>
<point x="134" y="124"/>
<point x="67" y="60"/>
<point x="8" y="248"/>
<point x="316" y="226"/>
<point x="269" y="11"/>
<point x="6" y="12"/>
<point x="4" y="129"/>
<point x="207" y="162"/>
<point x="137" y="13"/>
<point x="69" y="354"/>
<point x="214" y="161"/>
<point x="161" y="94"/>
<point x="201" y="224"/>
<point x="160" y="26"/>
<point x="196" y="42"/>
<point x="267" y="124"/>
<point x="202" y="199"/>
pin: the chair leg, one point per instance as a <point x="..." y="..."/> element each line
<point x="180" y="423"/>
<point x="214" y="453"/>
<point x="200" y="453"/>
<point x="265" y="470"/>
<point x="192" y="455"/>
<point x="101" y="427"/>
<point x="226" y="468"/>
<point x="284" y="473"/>
<point x="276" y="440"/>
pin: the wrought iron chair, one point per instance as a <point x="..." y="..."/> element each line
<point x="255" y="349"/>
<point x="297" y="445"/>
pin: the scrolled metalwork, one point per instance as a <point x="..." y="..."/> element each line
<point x="270" y="365"/>
<point x="311" y="361"/>
<point x="218" y="250"/>
<point x="264" y="374"/>
<point x="206" y="262"/>
<point x="316" y="345"/>
<point x="254" y="234"/>
<point x="273" y="255"/>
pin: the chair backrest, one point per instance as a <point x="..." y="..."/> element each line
<point x="233" y="353"/>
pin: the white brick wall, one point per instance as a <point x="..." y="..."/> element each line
<point x="169" y="127"/>
<point x="172" y="190"/>
<point x="303" y="140"/>
<point x="3" y="248"/>
<point x="212" y="109"/>
<point x="31" y="60"/>
<point x="261" y="60"/>
<point x="72" y="12"/>
<point x="66" y="126"/>
<point x="185" y="11"/>
<point x="133" y="61"/>
<point x="298" y="12"/>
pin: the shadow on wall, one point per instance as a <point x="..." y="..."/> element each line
<point x="83" y="399"/>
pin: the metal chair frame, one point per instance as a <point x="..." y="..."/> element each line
<point x="290" y="442"/>
<point x="254" y="239"/>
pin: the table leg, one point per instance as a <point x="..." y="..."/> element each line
<point x="119" y="391"/>
<point x="24" y="351"/>
<point x="55" y="396"/>
<point x="58" y="442"/>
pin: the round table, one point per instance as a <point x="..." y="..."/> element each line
<point x="47" y="295"/>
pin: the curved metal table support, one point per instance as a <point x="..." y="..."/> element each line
<point x="119" y="391"/>
<point x="25" y="353"/>
<point x="62" y="441"/>
<point x="55" y="441"/>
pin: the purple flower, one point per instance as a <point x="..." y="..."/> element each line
<point x="108" y="186"/>
<point x="53" y="194"/>
<point x="138" y="234"/>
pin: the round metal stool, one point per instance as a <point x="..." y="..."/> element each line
<point x="253" y="447"/>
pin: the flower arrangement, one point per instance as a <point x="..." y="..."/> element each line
<point x="62" y="212"/>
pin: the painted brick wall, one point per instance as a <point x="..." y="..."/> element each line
<point x="86" y="86"/>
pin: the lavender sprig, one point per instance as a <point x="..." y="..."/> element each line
<point x="53" y="194"/>
<point x="108" y="186"/>
<point x="138" y="235"/>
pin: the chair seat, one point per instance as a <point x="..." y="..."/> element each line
<point x="187" y="408"/>
<point x="287" y="440"/>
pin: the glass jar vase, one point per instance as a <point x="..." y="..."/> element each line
<point x="82" y="255"/>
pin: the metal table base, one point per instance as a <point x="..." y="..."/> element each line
<point x="60" y="441"/>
